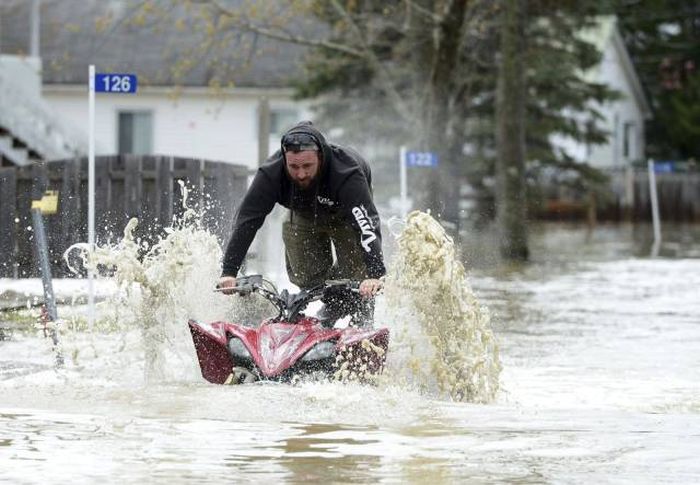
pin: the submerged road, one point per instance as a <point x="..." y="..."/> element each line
<point x="599" y="384"/>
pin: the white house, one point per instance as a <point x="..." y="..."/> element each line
<point x="624" y="119"/>
<point x="169" y="115"/>
<point x="184" y="117"/>
<point x="194" y="123"/>
<point x="193" y="120"/>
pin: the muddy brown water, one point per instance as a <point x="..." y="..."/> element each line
<point x="600" y="384"/>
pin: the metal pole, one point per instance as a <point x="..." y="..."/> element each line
<point x="402" y="176"/>
<point x="656" y="219"/>
<point x="49" y="300"/>
<point x="263" y="130"/>
<point x="91" y="193"/>
<point x="265" y="244"/>
<point x="35" y="29"/>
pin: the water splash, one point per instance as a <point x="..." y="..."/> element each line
<point x="161" y="286"/>
<point x="441" y="338"/>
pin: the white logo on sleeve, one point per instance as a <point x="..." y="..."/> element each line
<point x="366" y="227"/>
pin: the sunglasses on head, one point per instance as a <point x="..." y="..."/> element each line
<point x="299" y="142"/>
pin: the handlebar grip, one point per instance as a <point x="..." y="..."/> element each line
<point x="242" y="289"/>
<point x="337" y="282"/>
<point x="351" y="284"/>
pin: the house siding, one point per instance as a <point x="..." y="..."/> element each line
<point x="617" y="114"/>
<point x="616" y="71"/>
<point x="191" y="124"/>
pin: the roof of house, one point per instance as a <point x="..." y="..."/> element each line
<point x="76" y="33"/>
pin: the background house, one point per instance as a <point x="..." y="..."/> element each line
<point x="209" y="112"/>
<point x="624" y="118"/>
<point x="192" y="122"/>
<point x="233" y="112"/>
<point x="214" y="111"/>
<point x="30" y="129"/>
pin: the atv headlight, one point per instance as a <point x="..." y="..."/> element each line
<point x="320" y="351"/>
<point x="236" y="348"/>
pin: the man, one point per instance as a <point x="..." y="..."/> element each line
<point x="327" y="189"/>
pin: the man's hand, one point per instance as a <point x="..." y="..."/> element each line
<point x="226" y="282"/>
<point x="370" y="287"/>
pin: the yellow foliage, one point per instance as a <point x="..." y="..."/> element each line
<point x="139" y="19"/>
<point x="102" y="23"/>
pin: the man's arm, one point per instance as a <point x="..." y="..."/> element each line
<point x="357" y="200"/>
<point x="256" y="205"/>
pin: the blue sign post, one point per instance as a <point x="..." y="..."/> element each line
<point x="99" y="83"/>
<point x="116" y="83"/>
<point x="421" y="159"/>
<point x="664" y="166"/>
<point x="412" y="159"/>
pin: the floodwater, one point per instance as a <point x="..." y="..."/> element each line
<point x="600" y="347"/>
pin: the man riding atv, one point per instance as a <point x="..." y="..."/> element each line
<point x="328" y="191"/>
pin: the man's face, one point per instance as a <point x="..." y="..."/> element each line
<point x="303" y="167"/>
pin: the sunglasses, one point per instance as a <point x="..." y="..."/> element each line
<point x="299" y="142"/>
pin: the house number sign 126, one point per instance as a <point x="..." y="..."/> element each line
<point x="115" y="83"/>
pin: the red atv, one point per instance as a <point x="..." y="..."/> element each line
<point x="290" y="344"/>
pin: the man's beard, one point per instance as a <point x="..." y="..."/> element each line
<point x="311" y="184"/>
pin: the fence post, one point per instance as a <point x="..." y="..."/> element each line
<point x="133" y="186"/>
<point x="164" y="183"/>
<point x="103" y="199"/>
<point x="654" y="209"/>
<point x="8" y="230"/>
<point x="193" y="171"/>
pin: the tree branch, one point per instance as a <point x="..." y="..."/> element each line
<point x="420" y="9"/>
<point x="277" y="34"/>
<point x="384" y="78"/>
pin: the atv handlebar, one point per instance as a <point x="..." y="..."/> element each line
<point x="289" y="305"/>
<point x="351" y="285"/>
<point x="244" y="285"/>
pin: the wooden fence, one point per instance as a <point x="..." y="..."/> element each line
<point x="629" y="199"/>
<point x="125" y="186"/>
<point x="678" y="194"/>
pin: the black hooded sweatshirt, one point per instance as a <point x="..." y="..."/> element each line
<point x="343" y="186"/>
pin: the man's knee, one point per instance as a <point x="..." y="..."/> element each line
<point x="351" y="261"/>
<point x="308" y="255"/>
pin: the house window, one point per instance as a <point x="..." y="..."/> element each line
<point x="282" y="119"/>
<point x="135" y="132"/>
<point x="627" y="139"/>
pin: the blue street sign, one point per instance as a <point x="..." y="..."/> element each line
<point x="115" y="83"/>
<point x="421" y="159"/>
<point x="664" y="167"/>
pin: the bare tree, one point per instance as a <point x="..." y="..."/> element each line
<point x="418" y="54"/>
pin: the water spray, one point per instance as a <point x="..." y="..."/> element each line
<point x="428" y="285"/>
